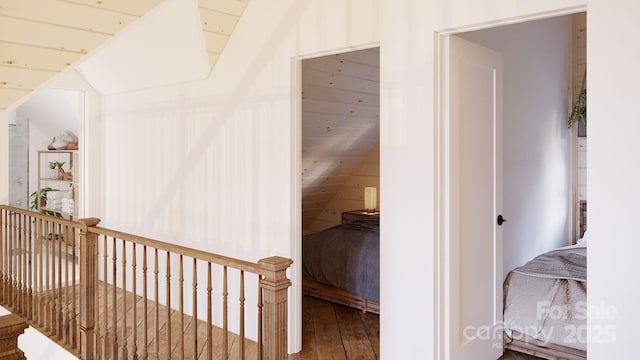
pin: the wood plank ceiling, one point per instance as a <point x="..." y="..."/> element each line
<point x="340" y="126"/>
<point x="40" y="38"/>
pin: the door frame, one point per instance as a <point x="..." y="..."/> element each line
<point x="295" y="292"/>
<point x="443" y="163"/>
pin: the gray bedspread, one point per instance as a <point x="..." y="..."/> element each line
<point x="569" y="263"/>
<point x="545" y="299"/>
<point x="346" y="256"/>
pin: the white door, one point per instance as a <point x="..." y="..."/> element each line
<point x="474" y="241"/>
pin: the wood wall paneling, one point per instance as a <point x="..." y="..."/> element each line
<point x="232" y="7"/>
<point x="217" y="22"/>
<point x="137" y="7"/>
<point x="23" y="56"/>
<point x="67" y="14"/>
<point x="53" y="34"/>
<point x="340" y="134"/>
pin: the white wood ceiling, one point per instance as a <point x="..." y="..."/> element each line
<point x="340" y="123"/>
<point x="40" y="38"/>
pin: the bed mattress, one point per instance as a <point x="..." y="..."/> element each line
<point x="547" y="299"/>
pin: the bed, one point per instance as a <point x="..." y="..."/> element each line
<point x="341" y="264"/>
<point x="545" y="305"/>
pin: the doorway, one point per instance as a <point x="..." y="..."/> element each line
<point x="538" y="161"/>
<point x="338" y="151"/>
<point x="48" y="114"/>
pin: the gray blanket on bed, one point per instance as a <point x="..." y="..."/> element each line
<point x="546" y="300"/>
<point x="346" y="256"/>
<point x="570" y="264"/>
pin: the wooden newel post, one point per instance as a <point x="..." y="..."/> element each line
<point x="11" y="326"/>
<point x="88" y="287"/>
<point x="275" y="287"/>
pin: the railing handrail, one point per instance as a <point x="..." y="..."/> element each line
<point x="40" y="216"/>
<point x="252" y="267"/>
<point x="213" y="258"/>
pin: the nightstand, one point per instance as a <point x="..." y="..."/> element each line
<point x="353" y="215"/>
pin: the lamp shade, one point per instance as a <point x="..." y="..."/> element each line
<point x="370" y="198"/>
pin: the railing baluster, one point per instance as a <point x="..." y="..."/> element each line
<point x="209" y="314"/>
<point x="195" y="309"/>
<point x="105" y="298"/>
<point x="41" y="293"/>
<point x="67" y="284"/>
<point x="114" y="304"/>
<point x="99" y="344"/>
<point x="145" y="339"/>
<point x="242" y="314"/>
<point x="11" y="262"/>
<point x="74" y="263"/>
<point x="2" y="254"/>
<point x="23" y="264"/>
<point x="48" y="307"/>
<point x="125" y="354"/>
<point x="156" y="338"/>
<point x="260" y="307"/>
<point x="27" y="265"/>
<point x="60" y="310"/>
<point x="3" y="236"/>
<point x="134" y="325"/>
<point x="225" y="324"/>
<point x="181" y="306"/>
<point x="168" y="305"/>
<point x="18" y="259"/>
<point x="30" y="268"/>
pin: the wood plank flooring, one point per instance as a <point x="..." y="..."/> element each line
<point x="330" y="331"/>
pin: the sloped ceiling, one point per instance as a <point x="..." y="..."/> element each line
<point x="340" y="123"/>
<point x="40" y="38"/>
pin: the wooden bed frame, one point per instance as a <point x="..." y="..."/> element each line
<point x="528" y="345"/>
<point x="330" y="293"/>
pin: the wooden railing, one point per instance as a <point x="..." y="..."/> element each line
<point x="105" y="294"/>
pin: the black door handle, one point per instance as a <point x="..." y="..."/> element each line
<point x="501" y="219"/>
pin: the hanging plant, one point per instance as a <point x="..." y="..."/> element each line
<point x="579" y="109"/>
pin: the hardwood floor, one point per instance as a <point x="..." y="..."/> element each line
<point x="332" y="331"/>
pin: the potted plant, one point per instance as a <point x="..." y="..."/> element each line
<point x="56" y="166"/>
<point x="39" y="201"/>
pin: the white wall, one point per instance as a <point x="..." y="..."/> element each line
<point x="535" y="136"/>
<point x="408" y="130"/>
<point x="614" y="174"/>
<point x="207" y="164"/>
<point x="409" y="320"/>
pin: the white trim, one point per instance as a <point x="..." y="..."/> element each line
<point x="442" y="164"/>
<point x="295" y="294"/>
<point x="295" y="291"/>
